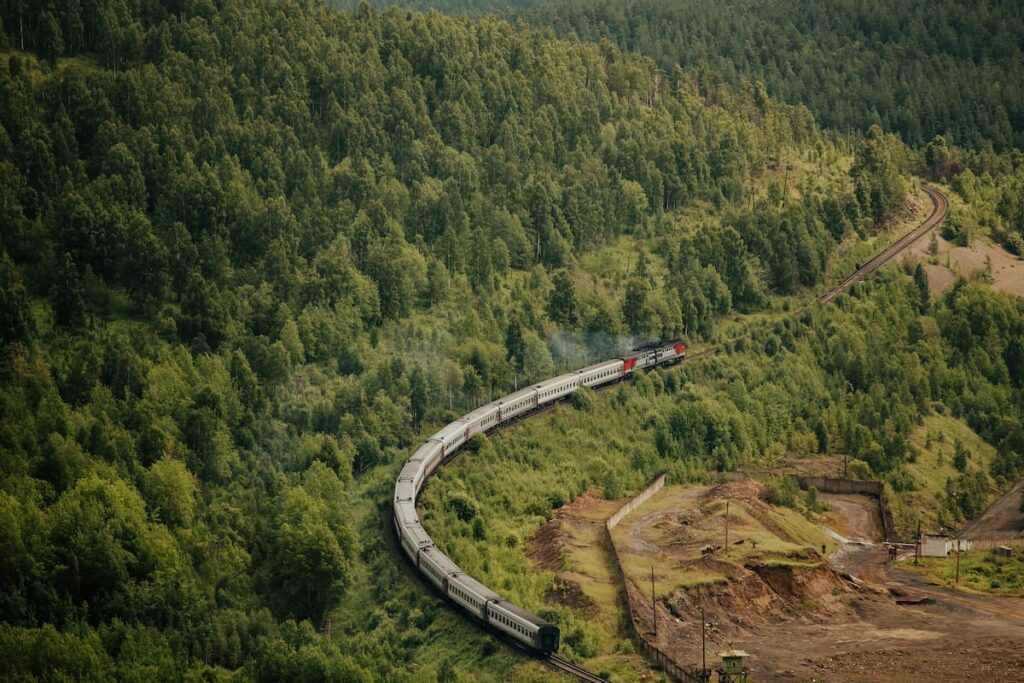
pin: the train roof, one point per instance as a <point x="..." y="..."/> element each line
<point x="479" y="412"/>
<point x="450" y="430"/>
<point x="598" y="366"/>
<point x="441" y="561"/>
<point x="523" y="614"/>
<point x="480" y="589"/>
<point x="515" y="396"/>
<point x="425" y="450"/>
<point x="656" y="344"/>
<point x="568" y="376"/>
<point x="410" y="470"/>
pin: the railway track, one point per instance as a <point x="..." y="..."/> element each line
<point x="570" y="669"/>
<point x="940" y="208"/>
<point x="938" y="214"/>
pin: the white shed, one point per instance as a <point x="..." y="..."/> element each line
<point x="941" y="546"/>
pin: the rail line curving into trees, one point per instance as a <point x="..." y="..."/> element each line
<point x="940" y="208"/>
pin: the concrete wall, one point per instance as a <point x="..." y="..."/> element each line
<point x="663" y="659"/>
<point x="635" y="502"/>
<point x="856" y="487"/>
<point x="934" y="547"/>
<point x="848" y="486"/>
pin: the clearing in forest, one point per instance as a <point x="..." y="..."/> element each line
<point x="799" y="612"/>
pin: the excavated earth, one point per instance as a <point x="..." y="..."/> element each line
<point x="847" y="618"/>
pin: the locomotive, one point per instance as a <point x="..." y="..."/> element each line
<point x="437" y="568"/>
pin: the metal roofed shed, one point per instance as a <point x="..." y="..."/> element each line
<point x="733" y="669"/>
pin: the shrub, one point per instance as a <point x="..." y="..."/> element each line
<point x="464" y="507"/>
<point x="781" y="491"/>
<point x="583" y="399"/>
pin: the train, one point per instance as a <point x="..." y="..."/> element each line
<point x="468" y="594"/>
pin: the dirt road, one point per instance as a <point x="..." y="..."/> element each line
<point x="851" y="618"/>
<point x="1002" y="519"/>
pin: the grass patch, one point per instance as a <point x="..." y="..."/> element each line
<point x="935" y="440"/>
<point x="982" y="571"/>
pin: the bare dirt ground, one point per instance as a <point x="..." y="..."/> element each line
<point x="953" y="261"/>
<point x="856" y="518"/>
<point x="848" y="618"/>
<point x="567" y="546"/>
<point x="1002" y="519"/>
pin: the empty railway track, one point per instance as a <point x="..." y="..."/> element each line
<point x="570" y="669"/>
<point x="939" y="210"/>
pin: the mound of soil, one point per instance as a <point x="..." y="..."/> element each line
<point x="567" y="592"/>
<point x="547" y="547"/>
<point x="768" y="594"/>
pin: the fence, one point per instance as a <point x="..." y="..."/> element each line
<point x="636" y="501"/>
<point x="856" y="487"/>
<point x="989" y="543"/>
<point x="667" y="664"/>
<point x="848" y="486"/>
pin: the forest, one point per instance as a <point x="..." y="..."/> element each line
<point x="917" y="69"/>
<point x="252" y="252"/>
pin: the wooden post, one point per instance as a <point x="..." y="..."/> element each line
<point x="917" y="545"/>
<point x="654" y="604"/>
<point x="957" y="581"/>
<point x="726" y="527"/>
<point x="703" y="651"/>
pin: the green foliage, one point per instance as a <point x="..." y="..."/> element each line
<point x="463" y="505"/>
<point x="229" y="310"/>
<point x="170" y="491"/>
<point x="782" y="491"/>
<point x="562" y="305"/>
<point x="583" y="399"/>
<point x="960" y="456"/>
<point x="877" y="175"/>
<point x="836" y="58"/>
<point x="312" y="547"/>
<point x="980" y="570"/>
<point x="16" y="324"/>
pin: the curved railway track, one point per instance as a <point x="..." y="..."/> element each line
<point x="567" y="667"/>
<point x="940" y="207"/>
<point x="938" y="214"/>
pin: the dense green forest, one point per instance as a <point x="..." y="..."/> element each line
<point x="918" y="69"/>
<point x="818" y="383"/>
<point x="252" y="251"/>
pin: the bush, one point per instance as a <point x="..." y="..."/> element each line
<point x="858" y="469"/>
<point x="782" y="491"/>
<point x="464" y="507"/>
<point x="583" y="399"/>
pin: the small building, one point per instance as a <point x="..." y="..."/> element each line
<point x="941" y="546"/>
<point x="1004" y="551"/>
<point x="733" y="669"/>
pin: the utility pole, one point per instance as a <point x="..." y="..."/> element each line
<point x="957" y="581"/>
<point x="703" y="649"/>
<point x="726" y="527"/>
<point x="654" y="604"/>
<point x="917" y="545"/>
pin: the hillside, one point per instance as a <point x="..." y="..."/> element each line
<point x="254" y="251"/>
<point x="918" y="69"/>
<point x="251" y="252"/>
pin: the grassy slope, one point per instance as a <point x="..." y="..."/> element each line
<point x="933" y="467"/>
<point x="980" y="571"/>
